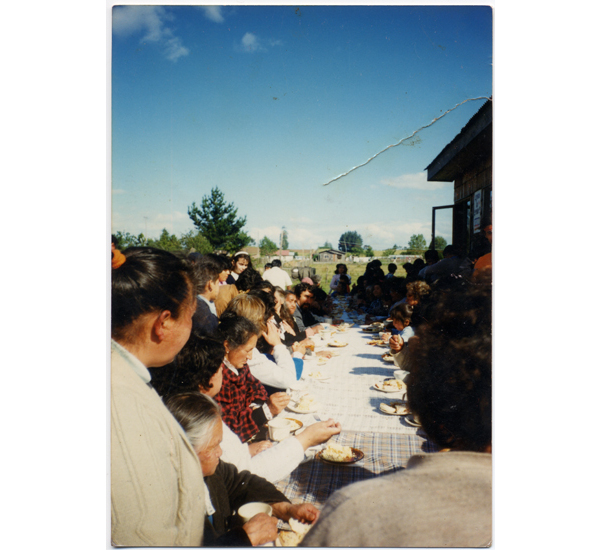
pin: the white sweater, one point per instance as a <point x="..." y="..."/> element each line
<point x="279" y="374"/>
<point x="273" y="464"/>
<point x="157" y="489"/>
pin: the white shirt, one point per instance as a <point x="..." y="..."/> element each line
<point x="280" y="373"/>
<point x="278" y="277"/>
<point x="273" y="463"/>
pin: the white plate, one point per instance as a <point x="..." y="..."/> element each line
<point x="409" y="420"/>
<point x="337" y="344"/>
<point x="387" y="358"/>
<point x="320" y="376"/>
<point x="313" y="408"/>
<point x="379" y="386"/>
<point x="400" y="410"/>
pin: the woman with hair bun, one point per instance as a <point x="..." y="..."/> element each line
<point x="157" y="490"/>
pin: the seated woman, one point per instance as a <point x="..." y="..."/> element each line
<point x="245" y="402"/>
<point x="199" y="367"/>
<point x="229" y="488"/>
<point x="280" y="372"/>
<point x="450" y="493"/>
<point x="155" y="478"/>
<point x="340" y="269"/>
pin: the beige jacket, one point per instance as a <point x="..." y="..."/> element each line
<point x="157" y="489"/>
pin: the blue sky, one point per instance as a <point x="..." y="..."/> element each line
<point x="270" y="102"/>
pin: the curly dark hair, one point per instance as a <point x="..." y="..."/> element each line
<point x="197" y="362"/>
<point x="247" y="279"/>
<point x="450" y="381"/>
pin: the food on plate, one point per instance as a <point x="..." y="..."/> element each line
<point x="376" y="343"/>
<point x="316" y="374"/>
<point x="337" y="452"/>
<point x="295" y="536"/>
<point x="306" y="402"/>
<point x="395" y="408"/>
<point x="338" y="344"/>
<point x="387" y="357"/>
<point x="392" y="383"/>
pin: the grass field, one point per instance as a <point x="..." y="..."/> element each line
<point x="326" y="270"/>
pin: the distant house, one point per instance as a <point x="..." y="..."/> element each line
<point x="330" y="255"/>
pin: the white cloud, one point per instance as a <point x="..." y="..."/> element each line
<point x="174" y="49"/>
<point x="415" y="181"/>
<point x="213" y="13"/>
<point x="149" y="21"/>
<point x="251" y="43"/>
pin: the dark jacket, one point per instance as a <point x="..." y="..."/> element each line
<point x="229" y="489"/>
<point x="204" y="321"/>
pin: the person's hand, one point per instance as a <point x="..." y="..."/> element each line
<point x="261" y="529"/>
<point x="299" y="347"/>
<point x="258" y="447"/>
<point x="318" y="433"/>
<point x="288" y="328"/>
<point x="305" y="513"/>
<point x="277" y="402"/>
<point x="396" y="343"/>
<point x="385" y="336"/>
<point x="272" y="335"/>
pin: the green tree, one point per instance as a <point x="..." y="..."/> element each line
<point x="327" y="245"/>
<point x="267" y="246"/>
<point x="440" y="243"/>
<point x="417" y="242"/>
<point x="125" y="240"/>
<point x="369" y="253"/>
<point x="218" y="222"/>
<point x="284" y="240"/>
<point x="390" y="251"/>
<point x="166" y="242"/>
<point x="194" y="241"/>
<point x="350" y="240"/>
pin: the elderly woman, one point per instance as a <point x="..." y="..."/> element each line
<point x="227" y="487"/>
<point x="450" y="493"/>
<point x="156" y="487"/>
<point x="199" y="367"/>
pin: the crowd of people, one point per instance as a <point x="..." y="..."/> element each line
<point x="206" y="351"/>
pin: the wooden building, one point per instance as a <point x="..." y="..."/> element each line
<point x="331" y="255"/>
<point x="467" y="161"/>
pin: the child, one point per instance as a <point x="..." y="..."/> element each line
<point x="401" y="316"/>
<point x="392" y="270"/>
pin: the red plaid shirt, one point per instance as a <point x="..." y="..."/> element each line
<point x="236" y="396"/>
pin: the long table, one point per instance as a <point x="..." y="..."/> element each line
<point x="348" y="396"/>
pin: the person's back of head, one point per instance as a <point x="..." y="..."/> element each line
<point x="276" y="263"/>
<point x="450" y="381"/>
<point x="392" y="268"/>
<point x="431" y="256"/>
<point x="450" y="251"/>
<point x="268" y="266"/>
<point x="196" y="363"/>
<point x="248" y="279"/>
